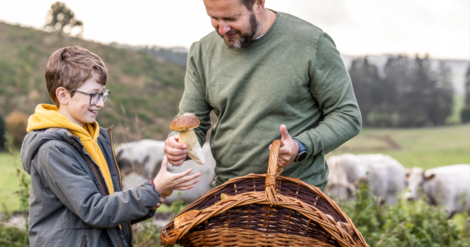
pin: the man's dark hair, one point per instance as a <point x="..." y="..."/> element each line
<point x="248" y="3"/>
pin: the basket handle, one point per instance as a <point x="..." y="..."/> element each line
<point x="273" y="172"/>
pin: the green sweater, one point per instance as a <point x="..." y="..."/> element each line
<point x="292" y="75"/>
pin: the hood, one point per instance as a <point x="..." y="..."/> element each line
<point x="45" y="117"/>
<point x="34" y="140"/>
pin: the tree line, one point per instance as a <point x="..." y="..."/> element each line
<point x="465" y="114"/>
<point x="407" y="92"/>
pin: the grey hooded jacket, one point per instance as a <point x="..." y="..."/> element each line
<point x="70" y="204"/>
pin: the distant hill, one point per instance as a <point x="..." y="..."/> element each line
<point x="145" y="89"/>
<point x="179" y="55"/>
<point x="175" y="55"/>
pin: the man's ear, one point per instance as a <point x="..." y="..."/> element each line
<point x="61" y="95"/>
<point x="258" y="6"/>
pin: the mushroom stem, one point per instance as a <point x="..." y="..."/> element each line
<point x="189" y="138"/>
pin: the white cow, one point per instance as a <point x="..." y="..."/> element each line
<point x="141" y="160"/>
<point x="448" y="186"/>
<point x="385" y="176"/>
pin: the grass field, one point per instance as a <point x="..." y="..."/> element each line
<point x="426" y="147"/>
<point x="459" y="102"/>
<point x="9" y="181"/>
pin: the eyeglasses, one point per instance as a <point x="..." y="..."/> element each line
<point x="95" y="97"/>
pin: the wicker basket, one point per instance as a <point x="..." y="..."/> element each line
<point x="264" y="210"/>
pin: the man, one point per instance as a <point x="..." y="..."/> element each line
<point x="259" y="70"/>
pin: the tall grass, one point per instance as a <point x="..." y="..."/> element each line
<point x="404" y="224"/>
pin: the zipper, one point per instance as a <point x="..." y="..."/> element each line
<point x="99" y="180"/>
<point x="114" y="158"/>
<point x="84" y="240"/>
<point x="118" y="236"/>
<point x="130" y="229"/>
<point x="119" y="173"/>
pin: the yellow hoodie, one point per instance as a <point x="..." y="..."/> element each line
<point x="47" y="116"/>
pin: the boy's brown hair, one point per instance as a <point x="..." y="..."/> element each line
<point x="70" y="67"/>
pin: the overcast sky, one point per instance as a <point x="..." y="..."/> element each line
<point x="440" y="28"/>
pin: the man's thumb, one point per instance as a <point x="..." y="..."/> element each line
<point x="284" y="133"/>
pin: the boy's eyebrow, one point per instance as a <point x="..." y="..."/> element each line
<point x="96" y="90"/>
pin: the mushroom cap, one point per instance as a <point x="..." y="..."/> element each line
<point x="184" y="122"/>
<point x="180" y="220"/>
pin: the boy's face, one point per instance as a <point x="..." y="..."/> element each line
<point x="78" y="108"/>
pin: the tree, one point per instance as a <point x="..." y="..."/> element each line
<point x="2" y="134"/>
<point x="465" y="113"/>
<point x="443" y="96"/>
<point x="417" y="97"/>
<point x="411" y="93"/>
<point x="62" y="19"/>
<point x="366" y="83"/>
<point x="394" y="90"/>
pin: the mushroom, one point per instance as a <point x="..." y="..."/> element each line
<point x="185" y="124"/>
<point x="180" y="220"/>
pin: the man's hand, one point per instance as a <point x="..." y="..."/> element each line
<point x="289" y="151"/>
<point x="175" y="151"/>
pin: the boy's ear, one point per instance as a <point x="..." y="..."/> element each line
<point x="61" y="94"/>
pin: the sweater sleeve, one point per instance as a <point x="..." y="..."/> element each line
<point x="75" y="189"/>
<point x="331" y="87"/>
<point x="194" y="96"/>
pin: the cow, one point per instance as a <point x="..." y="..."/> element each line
<point x="385" y="176"/>
<point x="447" y="186"/>
<point x="141" y="160"/>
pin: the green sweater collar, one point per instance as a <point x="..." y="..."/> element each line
<point x="272" y="31"/>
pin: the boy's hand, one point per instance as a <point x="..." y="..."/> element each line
<point x="166" y="181"/>
<point x="175" y="151"/>
<point x="162" y="199"/>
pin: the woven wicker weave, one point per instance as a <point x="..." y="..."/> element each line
<point x="265" y="210"/>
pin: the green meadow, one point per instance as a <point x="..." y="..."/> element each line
<point x="423" y="147"/>
<point x="9" y="181"/>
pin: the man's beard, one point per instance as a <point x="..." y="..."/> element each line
<point x="245" y="38"/>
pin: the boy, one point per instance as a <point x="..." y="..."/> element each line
<point x="76" y="197"/>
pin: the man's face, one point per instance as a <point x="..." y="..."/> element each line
<point x="232" y="21"/>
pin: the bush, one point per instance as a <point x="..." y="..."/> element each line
<point x="12" y="236"/>
<point x="2" y="134"/>
<point x="404" y="224"/>
<point x="16" y="125"/>
<point x="465" y="114"/>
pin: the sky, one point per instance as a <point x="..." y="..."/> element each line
<point x="440" y="28"/>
